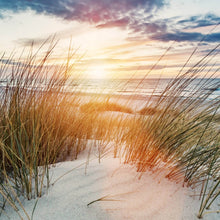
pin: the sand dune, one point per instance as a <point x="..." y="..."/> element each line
<point x="119" y="191"/>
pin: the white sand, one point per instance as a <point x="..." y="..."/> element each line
<point x="152" y="197"/>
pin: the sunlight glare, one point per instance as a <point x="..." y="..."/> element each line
<point x="97" y="72"/>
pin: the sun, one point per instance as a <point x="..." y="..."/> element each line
<point x="97" y="72"/>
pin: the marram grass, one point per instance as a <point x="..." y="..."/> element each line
<point x="38" y="125"/>
<point x="181" y="132"/>
<point x="41" y="125"/>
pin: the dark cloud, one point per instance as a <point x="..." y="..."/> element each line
<point x="178" y="36"/>
<point x="200" y="21"/>
<point x="135" y="15"/>
<point x="149" y="27"/>
<point x="186" y="36"/>
<point x="139" y="27"/>
<point x="169" y="29"/>
<point x="93" y="11"/>
<point x="174" y="29"/>
<point x="214" y="37"/>
<point x="135" y="25"/>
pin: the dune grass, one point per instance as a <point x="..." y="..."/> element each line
<point x="41" y="123"/>
<point x="148" y="111"/>
<point x="38" y="124"/>
<point x="106" y="105"/>
<point x="181" y="132"/>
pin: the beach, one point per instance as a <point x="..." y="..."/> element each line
<point x="119" y="192"/>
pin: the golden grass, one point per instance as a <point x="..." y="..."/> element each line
<point x="98" y="106"/>
<point x="42" y="125"/>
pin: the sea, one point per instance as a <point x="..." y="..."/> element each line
<point x="142" y="88"/>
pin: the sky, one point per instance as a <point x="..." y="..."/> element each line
<point x="115" y="38"/>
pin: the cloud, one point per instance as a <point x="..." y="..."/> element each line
<point x="149" y="27"/>
<point x="175" y="29"/>
<point x="144" y="67"/>
<point x="134" y="15"/>
<point x="137" y="16"/>
<point x="124" y="22"/>
<point x="26" y="42"/>
<point x="179" y="36"/>
<point x="171" y="29"/>
<point x="92" y="11"/>
<point x="14" y="62"/>
<point x="200" y="21"/>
